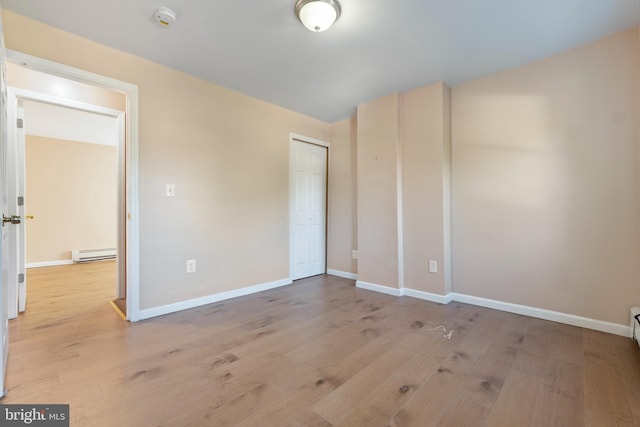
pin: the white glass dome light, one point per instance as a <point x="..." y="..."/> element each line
<point x="317" y="15"/>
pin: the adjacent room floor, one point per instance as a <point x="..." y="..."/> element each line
<point x="318" y="353"/>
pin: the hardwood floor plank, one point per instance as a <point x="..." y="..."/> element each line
<point x="465" y="413"/>
<point x="337" y="404"/>
<point x="317" y="353"/>
<point x="387" y="399"/>
<point x="605" y="400"/>
<point x="516" y="405"/>
<point x="628" y="369"/>
<point x="555" y="408"/>
<point x="310" y="419"/>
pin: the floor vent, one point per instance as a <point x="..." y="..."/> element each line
<point x="86" y="255"/>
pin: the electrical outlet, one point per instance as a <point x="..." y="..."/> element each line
<point x="354" y="254"/>
<point x="433" y="266"/>
<point x="170" y="190"/>
<point x="191" y="266"/>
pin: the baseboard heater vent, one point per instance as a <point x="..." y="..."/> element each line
<point x="86" y="255"/>
<point x="635" y="324"/>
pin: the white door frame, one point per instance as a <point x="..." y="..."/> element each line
<point x="15" y="96"/>
<point x="293" y="137"/>
<point x="128" y="220"/>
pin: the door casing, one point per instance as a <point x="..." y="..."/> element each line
<point x="128" y="211"/>
<point x="4" y="247"/>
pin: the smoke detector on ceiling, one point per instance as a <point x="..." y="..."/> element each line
<point x="165" y="16"/>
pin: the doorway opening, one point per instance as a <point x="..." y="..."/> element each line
<point x="70" y="191"/>
<point x="73" y="98"/>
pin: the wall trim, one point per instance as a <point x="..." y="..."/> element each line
<point x="399" y="190"/>
<point x="541" y="313"/>
<point x="343" y="274"/>
<point x="379" y="288"/>
<point x="538" y="313"/>
<point x="428" y="296"/>
<point x="209" y="299"/>
<point x="307" y="139"/>
<point x="48" y="263"/>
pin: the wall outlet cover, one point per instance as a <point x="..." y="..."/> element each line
<point x="433" y="266"/>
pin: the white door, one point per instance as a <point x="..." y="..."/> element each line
<point x="15" y="127"/>
<point x="4" y="321"/>
<point x="308" y="209"/>
<point x="21" y="210"/>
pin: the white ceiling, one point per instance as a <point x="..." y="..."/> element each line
<point x="53" y="121"/>
<point x="377" y="47"/>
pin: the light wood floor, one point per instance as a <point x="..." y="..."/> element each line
<point x="318" y="353"/>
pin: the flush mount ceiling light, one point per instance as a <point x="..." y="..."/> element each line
<point x="317" y="15"/>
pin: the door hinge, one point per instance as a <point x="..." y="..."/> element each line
<point x="20" y="200"/>
<point x="20" y="123"/>
<point x="21" y="278"/>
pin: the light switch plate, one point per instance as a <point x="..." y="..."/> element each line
<point x="170" y="190"/>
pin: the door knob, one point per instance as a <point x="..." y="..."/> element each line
<point x="13" y="219"/>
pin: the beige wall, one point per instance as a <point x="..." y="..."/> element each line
<point x="342" y="236"/>
<point x="377" y="168"/>
<point x="24" y="78"/>
<point x="546" y="185"/>
<point x="71" y="192"/>
<point x="403" y="156"/>
<point x="226" y="153"/>
<point x="425" y="172"/>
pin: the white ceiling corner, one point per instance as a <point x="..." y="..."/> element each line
<point x="376" y="47"/>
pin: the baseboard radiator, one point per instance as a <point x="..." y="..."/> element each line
<point x="86" y="255"/>
<point x="635" y="324"/>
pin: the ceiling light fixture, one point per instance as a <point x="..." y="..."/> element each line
<point x="317" y="15"/>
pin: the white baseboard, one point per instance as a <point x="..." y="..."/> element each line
<point x="428" y="296"/>
<point x="539" y="313"/>
<point x="48" y="263"/>
<point x="343" y="274"/>
<point x="209" y="299"/>
<point x="379" y="288"/>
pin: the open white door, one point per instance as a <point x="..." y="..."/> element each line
<point x="4" y="321"/>
<point x="21" y="229"/>
<point x="15" y="126"/>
